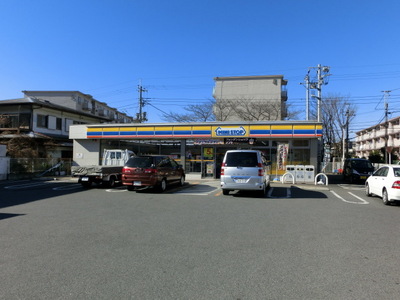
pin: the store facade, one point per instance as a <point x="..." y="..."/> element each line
<point x="200" y="147"/>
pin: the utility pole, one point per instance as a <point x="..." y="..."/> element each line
<point x="141" y="116"/>
<point x="307" y="84"/>
<point x="322" y="73"/>
<point x="347" y="132"/>
<point x="386" y="125"/>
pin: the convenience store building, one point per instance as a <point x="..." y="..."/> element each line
<point x="200" y="147"/>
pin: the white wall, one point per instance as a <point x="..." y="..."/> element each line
<point x="86" y="152"/>
<point x="4" y="163"/>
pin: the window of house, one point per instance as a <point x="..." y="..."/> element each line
<point x="68" y="122"/>
<point x="42" y="121"/>
<point x="59" y="124"/>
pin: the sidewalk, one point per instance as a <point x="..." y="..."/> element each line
<point x="332" y="179"/>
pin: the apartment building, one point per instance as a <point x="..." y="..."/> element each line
<point x="374" y="138"/>
<point x="250" y="98"/>
<point x="49" y="114"/>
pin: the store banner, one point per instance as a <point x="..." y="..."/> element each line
<point x="282" y="155"/>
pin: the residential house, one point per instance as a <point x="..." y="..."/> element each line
<point x="48" y="115"/>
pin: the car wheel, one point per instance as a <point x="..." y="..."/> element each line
<point x="367" y="192"/>
<point x="182" y="181"/>
<point x="111" y="182"/>
<point x="262" y="192"/>
<point x="385" y="197"/>
<point x="163" y="186"/>
<point x="225" y="192"/>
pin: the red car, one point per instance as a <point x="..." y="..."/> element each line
<point x="151" y="171"/>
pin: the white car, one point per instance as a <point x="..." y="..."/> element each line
<point x="245" y="170"/>
<point x="384" y="183"/>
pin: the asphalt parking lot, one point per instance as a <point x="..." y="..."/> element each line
<point x="61" y="241"/>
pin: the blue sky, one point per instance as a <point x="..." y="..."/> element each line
<point x="175" y="48"/>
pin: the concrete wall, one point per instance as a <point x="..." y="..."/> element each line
<point x="253" y="89"/>
<point x="4" y="163"/>
<point x="264" y="89"/>
<point x="86" y="152"/>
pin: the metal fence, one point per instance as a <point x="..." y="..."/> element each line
<point x="20" y="168"/>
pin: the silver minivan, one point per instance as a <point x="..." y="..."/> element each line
<point x="245" y="170"/>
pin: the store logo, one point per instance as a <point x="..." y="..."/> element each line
<point x="238" y="131"/>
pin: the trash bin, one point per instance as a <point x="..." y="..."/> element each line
<point x="290" y="169"/>
<point x="309" y="173"/>
<point x="300" y="173"/>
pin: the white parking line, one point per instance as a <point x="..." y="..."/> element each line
<point x="359" y="198"/>
<point x="352" y="187"/>
<point x="351" y="202"/>
<point x="116" y="190"/>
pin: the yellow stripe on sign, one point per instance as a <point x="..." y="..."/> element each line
<point x="309" y="127"/>
<point x="110" y="129"/>
<point x="145" y="129"/>
<point x="260" y="127"/>
<point x="281" y="127"/>
<point x="94" y="129"/>
<point x="201" y="127"/>
<point x="163" y="128"/>
<point x="186" y="128"/>
<point x="128" y="129"/>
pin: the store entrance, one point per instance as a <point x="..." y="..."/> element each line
<point x="212" y="157"/>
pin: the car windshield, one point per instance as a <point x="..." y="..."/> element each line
<point x="140" y="162"/>
<point x="241" y="159"/>
<point x="396" y="172"/>
<point x="363" y="164"/>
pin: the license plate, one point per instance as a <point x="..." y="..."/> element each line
<point x="240" y="180"/>
<point x="85" y="179"/>
<point x="137" y="183"/>
<point x="363" y="177"/>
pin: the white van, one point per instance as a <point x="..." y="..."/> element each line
<point x="245" y="170"/>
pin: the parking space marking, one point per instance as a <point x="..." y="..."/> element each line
<point x="288" y="193"/>
<point x="117" y="190"/>
<point x="350" y="202"/>
<point x="352" y="187"/>
<point x="199" y="189"/>
<point x="359" y="198"/>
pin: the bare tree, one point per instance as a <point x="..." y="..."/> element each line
<point x="23" y="146"/>
<point x="195" y="113"/>
<point x="337" y="112"/>
<point x="257" y="110"/>
<point x="291" y="114"/>
<point x="223" y="109"/>
<point x="226" y="109"/>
